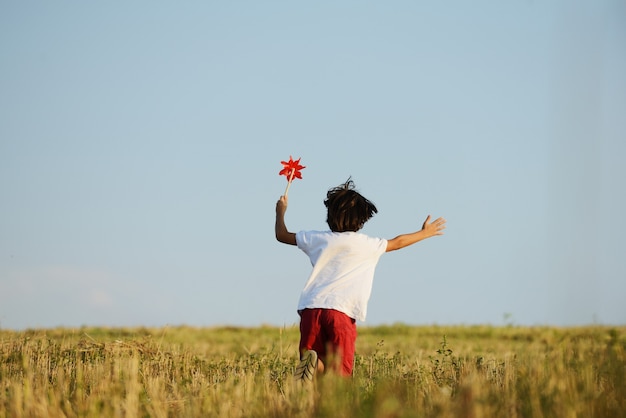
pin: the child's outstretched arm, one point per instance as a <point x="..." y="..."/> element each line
<point x="428" y="230"/>
<point x="282" y="234"/>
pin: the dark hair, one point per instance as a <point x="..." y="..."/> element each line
<point x="347" y="209"/>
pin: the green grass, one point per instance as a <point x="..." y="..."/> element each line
<point x="400" y="371"/>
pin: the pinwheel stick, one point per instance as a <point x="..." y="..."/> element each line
<point x="293" y="171"/>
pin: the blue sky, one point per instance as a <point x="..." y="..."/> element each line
<point x="140" y="146"/>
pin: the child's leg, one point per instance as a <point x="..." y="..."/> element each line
<point x="311" y="336"/>
<point x="340" y="331"/>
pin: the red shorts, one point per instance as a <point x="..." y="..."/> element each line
<point x="332" y="334"/>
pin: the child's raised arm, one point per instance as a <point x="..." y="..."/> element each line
<point x="428" y="230"/>
<point x="282" y="234"/>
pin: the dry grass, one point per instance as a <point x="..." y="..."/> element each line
<point x="400" y="371"/>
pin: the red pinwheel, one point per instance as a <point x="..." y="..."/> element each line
<point x="291" y="169"/>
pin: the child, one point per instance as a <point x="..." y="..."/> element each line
<point x="340" y="284"/>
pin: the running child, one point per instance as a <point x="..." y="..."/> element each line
<point x="338" y="289"/>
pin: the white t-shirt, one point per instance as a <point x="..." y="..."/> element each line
<point x="343" y="270"/>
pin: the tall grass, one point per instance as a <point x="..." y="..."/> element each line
<point x="400" y="371"/>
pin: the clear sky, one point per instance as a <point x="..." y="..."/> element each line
<point x="140" y="144"/>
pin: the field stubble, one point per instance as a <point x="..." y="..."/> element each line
<point x="400" y="371"/>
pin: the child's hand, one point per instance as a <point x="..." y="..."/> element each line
<point x="282" y="233"/>
<point x="429" y="229"/>
<point x="434" y="228"/>
<point x="281" y="205"/>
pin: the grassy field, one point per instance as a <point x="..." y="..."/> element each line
<point x="401" y="371"/>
